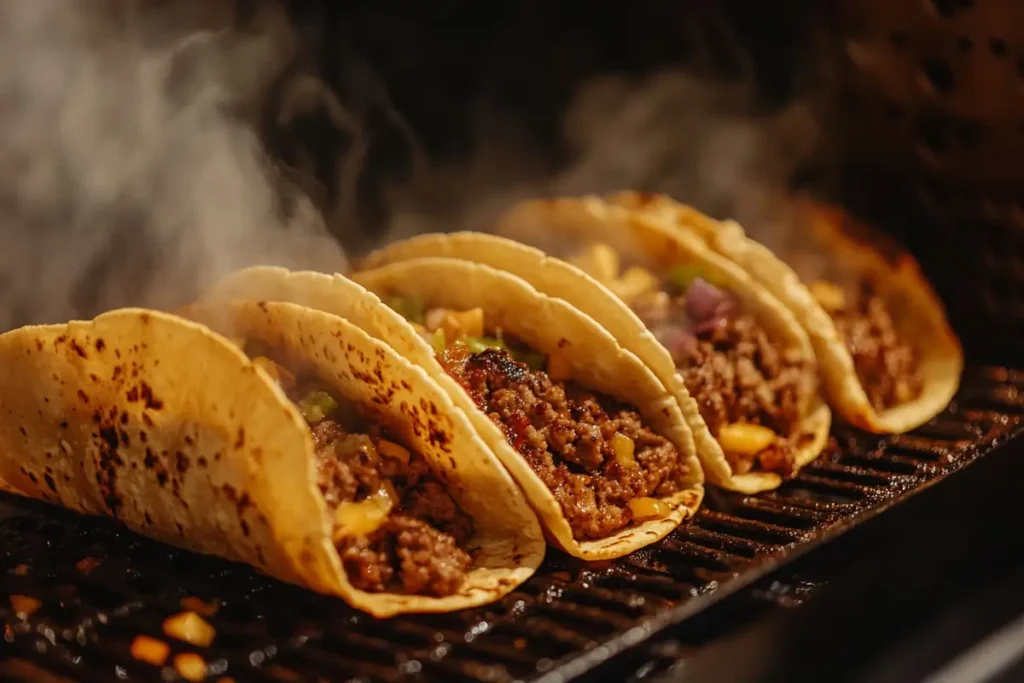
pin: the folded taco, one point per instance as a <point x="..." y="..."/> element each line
<point x="597" y="443"/>
<point x="888" y="357"/>
<point x="299" y="445"/>
<point x="736" y="360"/>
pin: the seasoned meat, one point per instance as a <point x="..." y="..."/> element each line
<point x="565" y="433"/>
<point x="886" y="364"/>
<point x="408" y="553"/>
<point x="416" y="551"/>
<point x="735" y="373"/>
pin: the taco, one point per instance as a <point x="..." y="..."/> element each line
<point x="597" y="443"/>
<point x="735" y="359"/>
<point x="889" y="359"/>
<point x="303" y="447"/>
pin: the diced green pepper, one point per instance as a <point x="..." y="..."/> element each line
<point x="478" y="344"/>
<point x="316" y="406"/>
<point x="409" y="307"/>
<point x="437" y="341"/>
<point x="683" y="275"/>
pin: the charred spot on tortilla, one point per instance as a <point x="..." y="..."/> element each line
<point x="751" y="391"/>
<point x="151" y="401"/>
<point x="77" y="348"/>
<point x="395" y="526"/>
<point x="607" y="469"/>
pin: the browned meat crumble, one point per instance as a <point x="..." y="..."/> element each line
<point x="567" y="435"/>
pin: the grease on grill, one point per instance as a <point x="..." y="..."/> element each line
<point x="93" y="622"/>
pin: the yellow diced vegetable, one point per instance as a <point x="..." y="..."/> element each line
<point x="457" y="324"/>
<point x="634" y="282"/>
<point x="471" y="322"/>
<point x="648" y="508"/>
<point x="600" y="261"/>
<point x="150" y="650"/>
<point x="623" y="447"/>
<point x="831" y="297"/>
<point x="190" y="666"/>
<point x="279" y="374"/>
<point x="191" y="628"/>
<point x="743" y="438"/>
<point x="559" y="368"/>
<point x="390" y="449"/>
<point x="365" y="517"/>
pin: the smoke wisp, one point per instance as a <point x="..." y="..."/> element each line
<point x="130" y="171"/>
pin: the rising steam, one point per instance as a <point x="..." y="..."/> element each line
<point x="674" y="133"/>
<point x="130" y="172"/>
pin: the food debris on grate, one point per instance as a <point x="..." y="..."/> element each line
<point x="89" y="601"/>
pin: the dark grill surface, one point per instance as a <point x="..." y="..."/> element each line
<point x="563" y="622"/>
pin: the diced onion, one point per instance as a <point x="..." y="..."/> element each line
<point x="648" y="508"/>
<point x="623" y="447"/>
<point x="703" y="300"/>
<point x="743" y="438"/>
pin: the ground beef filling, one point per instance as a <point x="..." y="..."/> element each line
<point x="567" y="435"/>
<point x="418" y="549"/>
<point x="736" y="374"/>
<point x="887" y="366"/>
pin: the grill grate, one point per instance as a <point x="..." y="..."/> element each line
<point x="99" y="586"/>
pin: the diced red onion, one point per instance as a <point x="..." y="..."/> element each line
<point x="675" y="339"/>
<point x="702" y="298"/>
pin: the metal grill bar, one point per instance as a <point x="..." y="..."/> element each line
<point x="100" y="586"/>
